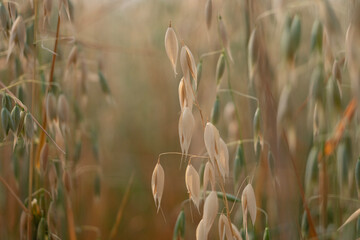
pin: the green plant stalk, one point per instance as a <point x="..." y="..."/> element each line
<point x="31" y="165"/>
<point x="51" y="79"/>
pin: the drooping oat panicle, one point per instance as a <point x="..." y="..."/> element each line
<point x="157" y="184"/>
<point x="248" y="203"/>
<point x="224" y="159"/>
<point x="172" y="46"/>
<point x="209" y="176"/>
<point x="192" y="182"/>
<point x="212" y="142"/>
<point x="186" y="129"/>
<point x="200" y="231"/>
<point x="224" y="37"/>
<point x="211" y="207"/>
<point x="185" y="95"/>
<point x="17" y="37"/>
<point x="208" y="13"/>
<point x="188" y="65"/>
<point x="224" y="228"/>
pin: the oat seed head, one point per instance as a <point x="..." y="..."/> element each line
<point x="224" y="228"/>
<point x="211" y="207"/>
<point x="209" y="176"/>
<point x="192" y="181"/>
<point x="200" y="231"/>
<point x="186" y="129"/>
<point x="172" y="47"/>
<point x="157" y="184"/>
<point x="188" y="65"/>
<point x="212" y="142"/>
<point x="248" y="202"/>
<point x="224" y="159"/>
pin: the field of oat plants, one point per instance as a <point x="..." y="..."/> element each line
<point x="169" y="119"/>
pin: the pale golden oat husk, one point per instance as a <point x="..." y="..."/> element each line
<point x="172" y="47"/>
<point x="157" y="184"/>
<point x="192" y="181"/>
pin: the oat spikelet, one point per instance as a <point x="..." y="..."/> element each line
<point x="185" y="96"/>
<point x="211" y="207"/>
<point x="186" y="128"/>
<point x="17" y="36"/>
<point x="224" y="228"/>
<point x="200" y="231"/>
<point x="172" y="46"/>
<point x="188" y="65"/>
<point x="224" y="159"/>
<point x="248" y="203"/>
<point x="157" y="184"/>
<point x="192" y="182"/>
<point x="237" y="235"/>
<point x="352" y="217"/>
<point x="212" y="142"/>
<point x="224" y="37"/>
<point x="208" y="13"/>
<point x="209" y="176"/>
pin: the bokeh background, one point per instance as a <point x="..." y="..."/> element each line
<point x="122" y="133"/>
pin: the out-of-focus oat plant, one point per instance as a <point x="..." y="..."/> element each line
<point x="41" y="124"/>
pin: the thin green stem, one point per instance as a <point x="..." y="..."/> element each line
<point x="210" y="54"/>
<point x="231" y="92"/>
<point x="14" y="195"/>
<point x="239" y="94"/>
